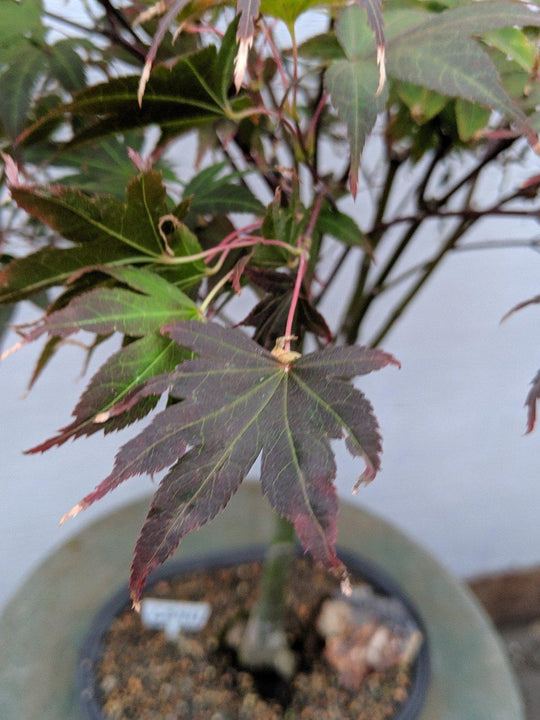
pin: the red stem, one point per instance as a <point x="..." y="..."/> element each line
<point x="247" y="241"/>
<point x="277" y="57"/>
<point x="314" y="215"/>
<point x="247" y="228"/>
<point x="317" y="114"/>
<point x="200" y="29"/>
<point x="303" y="241"/>
<point x="302" y="267"/>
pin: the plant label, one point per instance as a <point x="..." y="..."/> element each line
<point x="174" y="616"/>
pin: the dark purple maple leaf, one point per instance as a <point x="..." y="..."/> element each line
<point x="238" y="401"/>
<point x="269" y="316"/>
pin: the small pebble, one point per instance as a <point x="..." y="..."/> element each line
<point x="109" y="683"/>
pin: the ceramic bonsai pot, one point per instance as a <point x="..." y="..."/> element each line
<point x="87" y="680"/>
<point x="43" y="628"/>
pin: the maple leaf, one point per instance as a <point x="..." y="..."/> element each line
<point x="353" y="85"/>
<point x="238" y="401"/>
<point x="83" y="218"/>
<point x="374" y="14"/>
<point x="447" y="59"/>
<point x="106" y="232"/>
<point x="191" y="93"/>
<point x="269" y="316"/>
<point x="118" y="376"/>
<point x="149" y="303"/>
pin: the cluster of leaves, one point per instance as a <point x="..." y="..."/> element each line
<point x="131" y="250"/>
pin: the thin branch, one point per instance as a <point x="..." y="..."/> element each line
<point x="302" y="267"/>
<point x="240" y="231"/>
<point x="138" y="50"/>
<point x="391" y="262"/>
<point x="276" y="55"/>
<point x="467" y="213"/>
<point x="351" y="322"/>
<point x="430" y="267"/>
<point x="71" y="23"/>
<point x="115" y="17"/>
<point x="232" y="162"/>
<point x="295" y="71"/>
<point x="333" y="274"/>
<point x="491" y="153"/>
<point x="215" y="291"/>
<point x="533" y="244"/>
<point x="438" y="155"/>
<point x="271" y="178"/>
<point x="472" y="246"/>
<point x="363" y="301"/>
<point x="304" y="243"/>
<point x="319" y="105"/>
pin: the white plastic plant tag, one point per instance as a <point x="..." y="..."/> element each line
<point x="174" y="616"/>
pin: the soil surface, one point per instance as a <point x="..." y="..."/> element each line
<point x="144" y="676"/>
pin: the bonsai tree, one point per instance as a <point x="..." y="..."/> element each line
<point x="111" y="232"/>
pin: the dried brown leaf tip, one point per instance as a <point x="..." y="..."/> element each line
<point x="150" y="13"/>
<point x="11" y="170"/>
<point x="164" y="24"/>
<point x="248" y="11"/>
<point x="374" y="13"/>
<point x="381" y="62"/>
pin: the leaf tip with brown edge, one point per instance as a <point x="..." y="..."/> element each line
<point x="366" y="477"/>
<point x="145" y="75"/>
<point x="75" y="510"/>
<point x="530" y="403"/>
<point x="353" y="181"/>
<point x="12" y="171"/>
<point x="248" y="11"/>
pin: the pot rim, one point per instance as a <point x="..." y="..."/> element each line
<point x="93" y="643"/>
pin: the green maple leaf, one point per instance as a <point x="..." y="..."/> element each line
<point x="353" y="84"/>
<point x="192" y="93"/>
<point x="84" y="218"/>
<point x="287" y="10"/>
<point x="239" y="401"/>
<point x="137" y="308"/>
<point x="214" y="192"/>
<point x="122" y="373"/>
<point x="105" y="231"/>
<point x="436" y="51"/>
<point x="148" y="303"/>
<point x="442" y="52"/>
<point x="26" y="276"/>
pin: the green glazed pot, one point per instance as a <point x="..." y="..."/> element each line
<point x="43" y="627"/>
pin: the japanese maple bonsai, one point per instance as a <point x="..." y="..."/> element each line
<point x="280" y="125"/>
